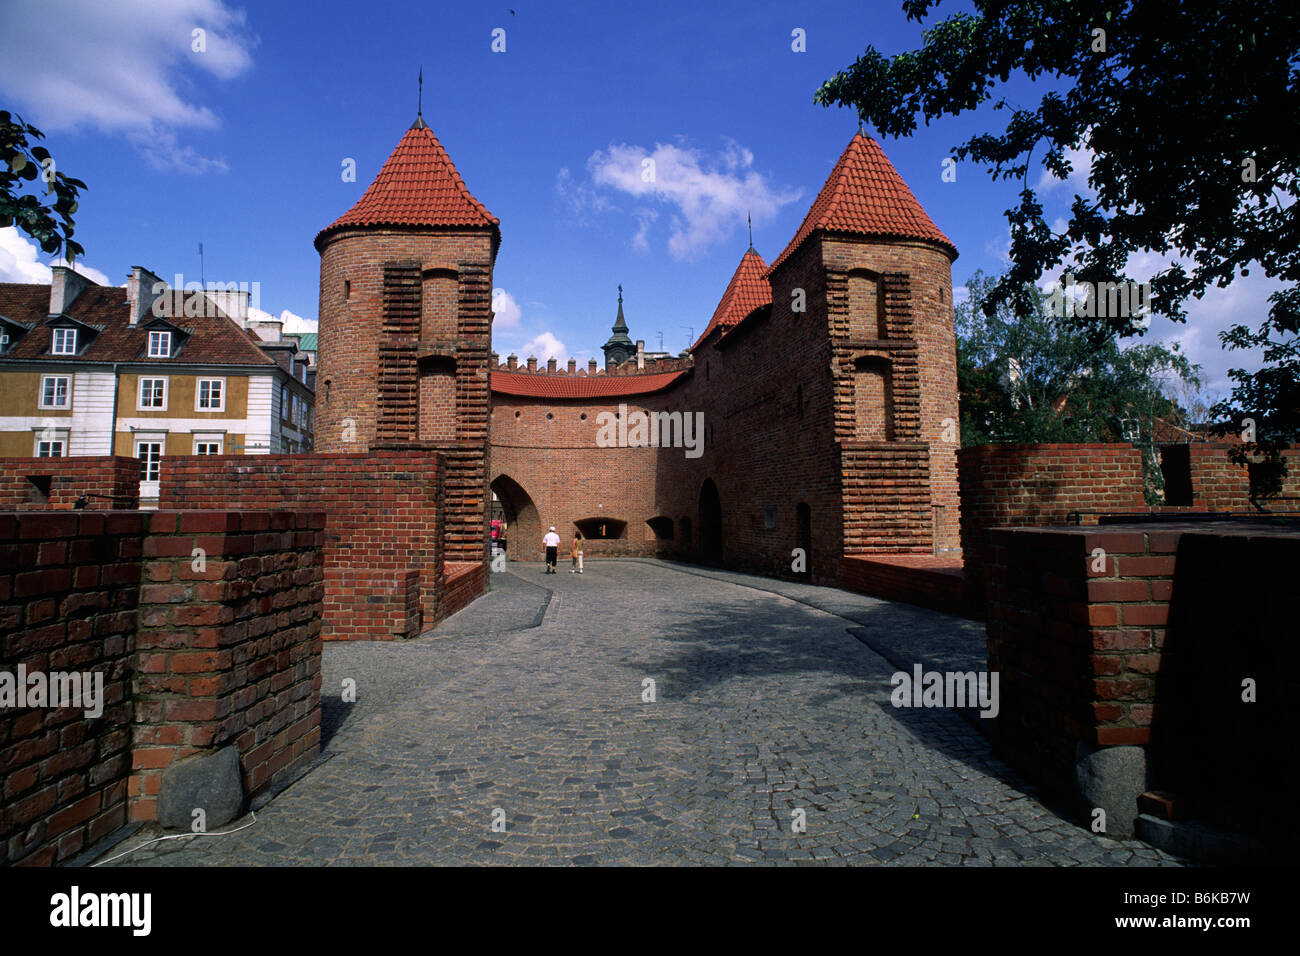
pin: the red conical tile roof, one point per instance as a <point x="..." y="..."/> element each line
<point x="864" y="195"/>
<point x="747" y="290"/>
<point x="417" y="186"/>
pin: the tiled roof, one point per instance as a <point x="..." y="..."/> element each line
<point x="747" y="290"/>
<point x="530" y="385"/>
<point x="417" y="186"/>
<point x="864" y="195"/>
<point x="212" y="339"/>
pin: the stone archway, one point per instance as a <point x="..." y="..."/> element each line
<point x="523" y="523"/>
<point x="710" y="522"/>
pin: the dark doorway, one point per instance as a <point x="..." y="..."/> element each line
<point x="1176" y="468"/>
<point x="522" y="534"/>
<point x="803" y="534"/>
<point x="710" y="522"/>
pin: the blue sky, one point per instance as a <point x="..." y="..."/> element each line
<point x="241" y="145"/>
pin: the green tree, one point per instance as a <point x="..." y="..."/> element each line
<point x="1191" y="112"/>
<point x="23" y="162"/>
<point x="1040" y="378"/>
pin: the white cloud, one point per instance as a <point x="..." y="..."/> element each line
<point x="709" y="195"/>
<point x="507" y="310"/>
<point x="544" y="347"/>
<point x="20" y="261"/>
<point x="294" y="324"/>
<point x="122" y="67"/>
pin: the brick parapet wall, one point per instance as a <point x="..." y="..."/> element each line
<point x="192" y="656"/>
<point x="1076" y="625"/>
<point x="229" y="645"/>
<point x="384" y="519"/>
<point x="1028" y="485"/>
<point x="55" y="484"/>
<point x="69" y="587"/>
<point x="1141" y="636"/>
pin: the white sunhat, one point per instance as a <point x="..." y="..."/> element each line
<point x="552" y="527"/>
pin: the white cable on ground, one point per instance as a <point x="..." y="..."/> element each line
<point x="178" y="836"/>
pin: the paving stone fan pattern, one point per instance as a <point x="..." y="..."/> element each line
<point x="530" y="703"/>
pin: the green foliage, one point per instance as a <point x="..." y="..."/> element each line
<point x="1040" y="378"/>
<point x="1191" y="111"/>
<point x="23" y="162"/>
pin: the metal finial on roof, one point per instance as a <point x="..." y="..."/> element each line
<point x="419" y="101"/>
<point x="859" y="125"/>
<point x="750" y="219"/>
<point x="620" y="293"/>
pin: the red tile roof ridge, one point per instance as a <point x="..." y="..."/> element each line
<point x="418" y="185"/>
<point x="865" y="195"/>
<point x="747" y="290"/>
<point x="527" y="384"/>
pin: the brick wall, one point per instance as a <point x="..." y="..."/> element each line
<point x="69" y="587"/>
<point x="1024" y="485"/>
<point x="1141" y="636"/>
<point x="384" y="522"/>
<point x="39" y="484"/>
<point x="193" y="657"/>
<point x="228" y="647"/>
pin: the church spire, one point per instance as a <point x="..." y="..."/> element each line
<point x="620" y="347"/>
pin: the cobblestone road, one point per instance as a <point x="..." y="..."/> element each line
<point x="770" y="698"/>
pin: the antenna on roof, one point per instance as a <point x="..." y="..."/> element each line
<point x="202" y="276"/>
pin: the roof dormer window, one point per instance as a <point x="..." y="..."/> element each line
<point x="160" y="344"/>
<point x="65" y="342"/>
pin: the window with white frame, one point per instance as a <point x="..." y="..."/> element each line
<point x="207" y="446"/>
<point x="55" y="391"/>
<point x="150" y="455"/>
<point x="4" y="340"/>
<point x="212" y="395"/>
<point x="160" y="344"/>
<point x="153" y="393"/>
<point x="50" y="448"/>
<point x="65" y="342"/>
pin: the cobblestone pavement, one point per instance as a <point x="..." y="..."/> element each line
<point x="770" y="698"/>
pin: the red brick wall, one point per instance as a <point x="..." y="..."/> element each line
<point x="1076" y="637"/>
<point x="384" y="520"/>
<point x="112" y="481"/>
<point x="192" y="659"/>
<point x="1141" y="635"/>
<point x="1220" y="485"/>
<point x="69" y="586"/>
<point x="1023" y="485"/>
<point x="229" y="648"/>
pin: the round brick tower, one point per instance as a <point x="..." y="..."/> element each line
<point x="405" y="306"/>
<point x="406" y="327"/>
<point x="870" y="259"/>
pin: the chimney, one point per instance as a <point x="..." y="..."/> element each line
<point x="496" y="360"/>
<point x="640" y="353"/>
<point x="143" y="288"/>
<point x="234" y="302"/>
<point x="65" y="286"/>
<point x="512" y="362"/>
<point x="573" y="366"/>
<point x="550" y="365"/>
<point x="591" y="367"/>
<point x="532" y="363"/>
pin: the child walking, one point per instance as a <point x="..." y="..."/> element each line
<point x="575" y="553"/>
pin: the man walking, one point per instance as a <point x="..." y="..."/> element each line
<point x="552" y="544"/>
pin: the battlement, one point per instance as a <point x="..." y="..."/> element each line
<point x="650" y="366"/>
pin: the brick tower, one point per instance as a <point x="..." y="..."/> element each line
<point x="869" y="259"/>
<point x="406" y="326"/>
